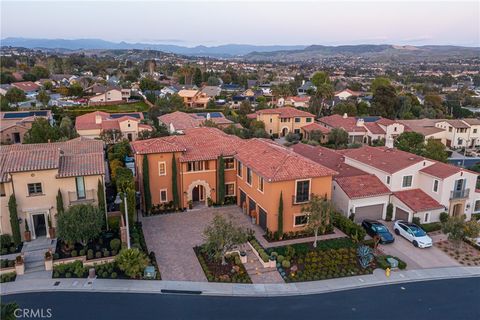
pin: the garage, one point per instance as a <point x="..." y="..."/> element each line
<point x="373" y="212"/>
<point x="401" y="214"/>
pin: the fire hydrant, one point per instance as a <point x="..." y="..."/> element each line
<point x="387" y="272"/>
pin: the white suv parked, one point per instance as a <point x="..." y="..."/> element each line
<point x="412" y="233"/>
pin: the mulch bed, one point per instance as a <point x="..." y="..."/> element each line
<point x="101" y="244"/>
<point x="466" y="254"/>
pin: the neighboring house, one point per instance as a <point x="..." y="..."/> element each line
<point x="4" y="88"/>
<point x="35" y="173"/>
<point x="211" y="91"/>
<point x="14" y="124"/>
<point x="238" y="99"/>
<point x="305" y="88"/>
<point x="110" y="96"/>
<point x="91" y="125"/>
<point x="194" y="98"/>
<point x="168" y="91"/>
<point x="418" y="187"/>
<point x="307" y="130"/>
<point x="346" y="94"/>
<point x="231" y="87"/>
<point x="365" y="130"/>
<point x="296" y="102"/>
<point x="28" y="87"/>
<point x="281" y="121"/>
<point x="178" y="122"/>
<point x="257" y="172"/>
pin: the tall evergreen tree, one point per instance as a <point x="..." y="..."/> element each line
<point x="146" y="185"/>
<point x="12" y="207"/>
<point x="221" y="180"/>
<point x="280" y="216"/>
<point x="60" y="206"/>
<point x="176" y="199"/>
<point x="101" y="196"/>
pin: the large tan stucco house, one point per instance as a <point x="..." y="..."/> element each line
<point x="14" y="124"/>
<point x="34" y="173"/>
<point x="284" y="120"/>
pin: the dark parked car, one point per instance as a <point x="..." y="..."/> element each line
<point x="375" y="228"/>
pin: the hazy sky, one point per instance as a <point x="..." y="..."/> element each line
<point x="247" y="22"/>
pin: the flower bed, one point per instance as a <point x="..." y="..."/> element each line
<point x="233" y="271"/>
<point x="332" y="258"/>
<point x="6" y="263"/>
<point x="271" y="236"/>
<point x="7" y="246"/>
<point x="163" y="208"/>
<point x="8" y="277"/>
<point x="108" y="244"/>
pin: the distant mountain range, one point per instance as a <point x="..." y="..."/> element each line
<point x="274" y="53"/>
<point x="227" y="50"/>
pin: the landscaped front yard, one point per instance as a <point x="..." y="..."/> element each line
<point x="233" y="271"/>
<point x="466" y="254"/>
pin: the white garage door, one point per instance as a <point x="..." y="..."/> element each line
<point x="369" y="212"/>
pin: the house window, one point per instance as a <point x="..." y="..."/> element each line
<point x="476" y="208"/>
<point x="163" y="195"/>
<point x="449" y="129"/>
<point x="34" y="189"/>
<point x="80" y="183"/>
<point x="297" y="119"/>
<point x="297" y="131"/>
<point x="2" y="190"/>
<point x="435" y="185"/>
<point x="197" y="166"/>
<point x="301" y="220"/>
<point x="230" y="189"/>
<point x="249" y="176"/>
<point x="302" y="191"/>
<point x="309" y="119"/>
<point x="388" y="179"/>
<point x="260" y="184"/>
<point x="474" y="130"/>
<point x="426" y="217"/>
<point x="407" y="181"/>
<point x="162" y="168"/>
<point x="229" y="163"/>
<point x="239" y="169"/>
<point x="271" y="120"/>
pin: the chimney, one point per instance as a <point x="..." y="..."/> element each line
<point x="303" y="82"/>
<point x="389" y="142"/>
<point x="345" y="115"/>
<point x="98" y="119"/>
<point x="360" y="122"/>
<point x="208" y="116"/>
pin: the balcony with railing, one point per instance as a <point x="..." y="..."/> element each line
<point x="459" y="194"/>
<point x="75" y="198"/>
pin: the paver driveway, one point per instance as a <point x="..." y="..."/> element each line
<point x="173" y="236"/>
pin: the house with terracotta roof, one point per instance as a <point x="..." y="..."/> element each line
<point x="28" y="87"/>
<point x="315" y="128"/>
<point x="34" y="173"/>
<point x="281" y="121"/>
<point x="194" y="98"/>
<point x="14" y="124"/>
<point x="178" y="121"/>
<point x="109" y="96"/>
<point x="257" y="172"/>
<point x="346" y="94"/>
<point x="91" y="125"/>
<point x="416" y="186"/>
<point x="294" y="101"/>
<point x="365" y="130"/>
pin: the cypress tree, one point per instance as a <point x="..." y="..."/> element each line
<point x="100" y="197"/>
<point x="146" y="185"/>
<point x="12" y="207"/>
<point x="280" y="216"/>
<point x="60" y="206"/>
<point x="176" y="200"/>
<point x="221" y="180"/>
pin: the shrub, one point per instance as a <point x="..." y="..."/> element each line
<point x="280" y="258"/>
<point x="115" y="244"/>
<point x="286" y="264"/>
<point x="68" y="275"/>
<point x="416" y="220"/>
<point x="74" y="253"/>
<point x="8" y="277"/>
<point x="132" y="262"/>
<point x="106" y="253"/>
<point x="89" y="254"/>
<point x="81" y="252"/>
<point x="443" y="217"/>
<point x="98" y="254"/>
<point x="5" y="240"/>
<point x="349" y="227"/>
<point x="430" y="227"/>
<point x="113" y="275"/>
<point x="389" y="212"/>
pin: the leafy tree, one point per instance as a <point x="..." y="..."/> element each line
<point x="412" y="142"/>
<point x="176" y="198"/>
<point x="119" y="150"/>
<point x="80" y="224"/>
<point x="435" y="150"/>
<point x="458" y="229"/>
<point x="197" y="77"/>
<point x="221" y="236"/>
<point x="146" y="184"/>
<point x="75" y="90"/>
<point x="363" y="109"/>
<point x="101" y="197"/>
<point x="384" y="101"/>
<point x="319" y="78"/>
<point x="149" y="84"/>
<point x="338" y="137"/>
<point x="14" y="224"/>
<point x="281" y="90"/>
<point x="292" y="137"/>
<point x="43" y="97"/>
<point x="114" y="165"/>
<point x="6" y="77"/>
<point x="124" y="179"/>
<point x="40" y="72"/>
<point x="111" y="136"/>
<point x="66" y="128"/>
<point x="221" y="180"/>
<point x="325" y="92"/>
<point x="213" y="81"/>
<point x="318" y="212"/>
<point x="47" y="85"/>
<point x="280" y="216"/>
<point x="60" y="206"/>
<point x="379" y="82"/>
<point x="433" y="104"/>
<point x="8" y="311"/>
<point x="132" y="261"/>
<point x="41" y="132"/>
<point x="342" y="108"/>
<point x="15" y="95"/>
<point x="316" y="135"/>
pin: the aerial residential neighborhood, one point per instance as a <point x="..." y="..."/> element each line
<point x="329" y="169"/>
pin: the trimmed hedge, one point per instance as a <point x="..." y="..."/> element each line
<point x="349" y="227"/>
<point x="431" y="227"/>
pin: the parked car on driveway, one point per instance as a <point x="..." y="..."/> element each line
<point x="375" y="228"/>
<point x="413" y="233"/>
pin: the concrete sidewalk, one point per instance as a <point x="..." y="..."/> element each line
<point x="378" y="278"/>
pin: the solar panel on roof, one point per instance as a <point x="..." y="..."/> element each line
<point x="119" y="115"/>
<point x="20" y="115"/>
<point x="370" y="119"/>
<point x="212" y="114"/>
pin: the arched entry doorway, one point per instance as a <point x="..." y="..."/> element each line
<point x="198" y="192"/>
<point x="284" y="131"/>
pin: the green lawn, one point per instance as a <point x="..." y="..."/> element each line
<point x="127" y="107"/>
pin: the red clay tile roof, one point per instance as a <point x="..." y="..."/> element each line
<point x="328" y="158"/>
<point x="363" y="186"/>
<point x="286" y="112"/>
<point x="353" y="93"/>
<point x="182" y="120"/>
<point x="441" y="170"/>
<point x="275" y="162"/>
<point x="457" y="123"/>
<point x="298" y="98"/>
<point x="386" y="122"/>
<point x="87" y="121"/>
<point x="315" y="127"/>
<point x="417" y="200"/>
<point x="26" y="86"/>
<point x="68" y="157"/>
<point x="374" y="128"/>
<point x="349" y="124"/>
<point x="383" y="158"/>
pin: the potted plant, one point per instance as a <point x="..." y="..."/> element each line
<point x="253" y="214"/>
<point x="48" y="260"/>
<point x="51" y="229"/>
<point x="19" y="265"/>
<point x="27" y="234"/>
<point x="190" y="204"/>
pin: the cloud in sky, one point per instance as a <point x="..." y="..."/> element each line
<point x="266" y="22"/>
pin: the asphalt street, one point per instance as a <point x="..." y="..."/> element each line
<point x="442" y="299"/>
